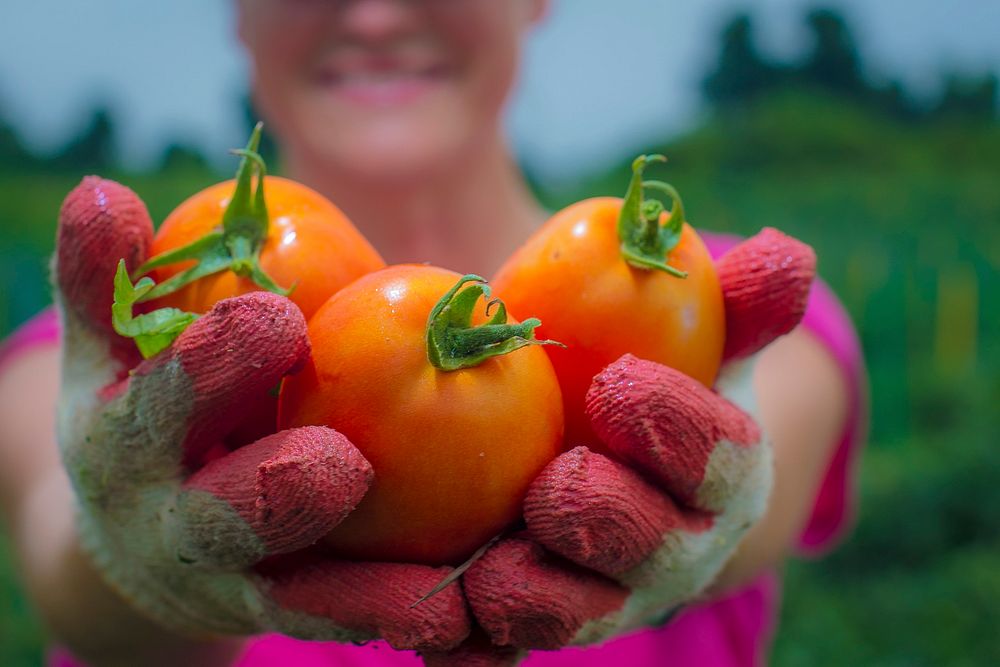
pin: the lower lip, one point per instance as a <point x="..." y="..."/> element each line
<point x="391" y="93"/>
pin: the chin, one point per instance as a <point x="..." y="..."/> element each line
<point x="396" y="153"/>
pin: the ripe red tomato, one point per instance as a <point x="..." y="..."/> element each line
<point x="239" y="236"/>
<point x="310" y="244"/>
<point x="255" y="232"/>
<point x="453" y="450"/>
<point x="574" y="276"/>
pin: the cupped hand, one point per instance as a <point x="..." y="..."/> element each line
<point x="184" y="541"/>
<point x="619" y="538"/>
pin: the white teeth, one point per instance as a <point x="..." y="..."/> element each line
<point x="378" y="78"/>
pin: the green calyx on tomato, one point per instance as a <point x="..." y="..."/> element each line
<point x="153" y="332"/>
<point x="452" y="341"/>
<point x="645" y="243"/>
<point x="236" y="244"/>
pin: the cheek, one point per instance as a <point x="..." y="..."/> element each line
<point x="282" y="57"/>
<point x="491" y="54"/>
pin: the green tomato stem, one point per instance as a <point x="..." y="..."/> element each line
<point x="645" y="243"/>
<point x="236" y="243"/>
<point x="452" y="341"/>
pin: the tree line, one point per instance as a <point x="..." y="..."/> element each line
<point x="833" y="65"/>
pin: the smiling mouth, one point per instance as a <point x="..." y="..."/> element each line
<point x="381" y="84"/>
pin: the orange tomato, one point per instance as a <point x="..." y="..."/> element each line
<point x="453" y="451"/>
<point x="310" y="244"/>
<point x="249" y="233"/>
<point x="572" y="275"/>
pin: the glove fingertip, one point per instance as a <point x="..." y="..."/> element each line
<point x="527" y="598"/>
<point x="599" y="513"/>
<point x="225" y="362"/>
<point x="765" y="285"/>
<point x="266" y="331"/>
<point x="100" y="222"/>
<point x="666" y="424"/>
<point x="376" y="600"/>
<point x="289" y="489"/>
<point x="308" y="487"/>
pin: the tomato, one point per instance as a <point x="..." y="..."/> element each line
<point x="453" y="450"/>
<point x="572" y="275"/>
<point x="252" y="232"/>
<point x="236" y="237"/>
<point x="310" y="244"/>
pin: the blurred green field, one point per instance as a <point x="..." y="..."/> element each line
<point x="906" y="222"/>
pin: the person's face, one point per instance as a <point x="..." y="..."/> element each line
<point x="383" y="88"/>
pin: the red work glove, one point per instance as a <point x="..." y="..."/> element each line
<point x="182" y="542"/>
<point x="614" y="543"/>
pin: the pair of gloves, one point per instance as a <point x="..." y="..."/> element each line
<point x="608" y="544"/>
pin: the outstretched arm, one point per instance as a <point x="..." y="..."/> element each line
<point x="802" y="395"/>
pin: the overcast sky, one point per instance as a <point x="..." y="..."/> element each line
<point x="173" y="69"/>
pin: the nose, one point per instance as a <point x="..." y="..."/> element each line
<point x="378" y="20"/>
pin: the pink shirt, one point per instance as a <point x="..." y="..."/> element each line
<point x="730" y="631"/>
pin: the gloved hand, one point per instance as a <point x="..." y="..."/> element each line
<point x="613" y="543"/>
<point x="183" y="543"/>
